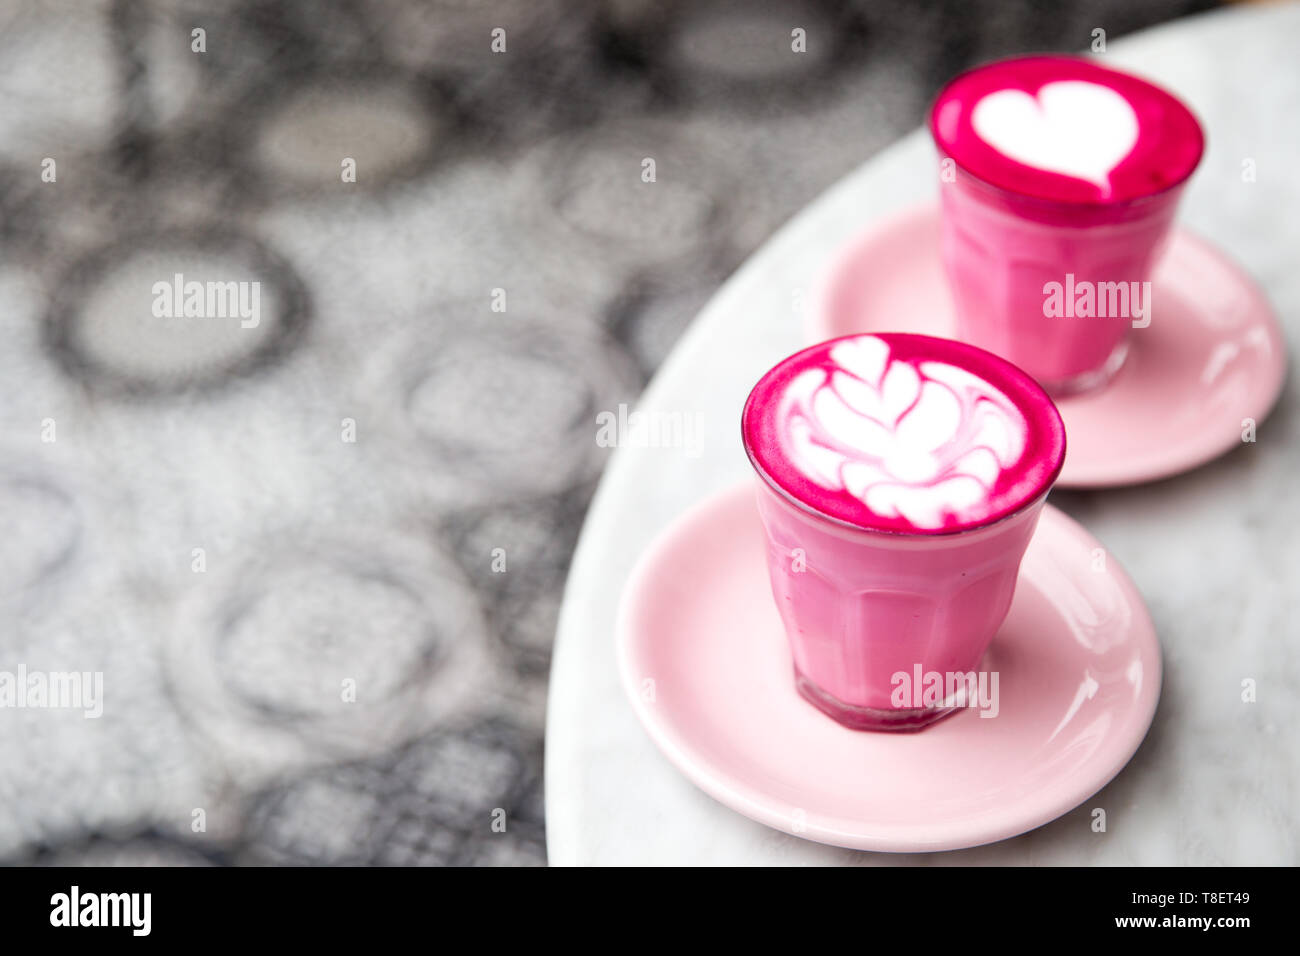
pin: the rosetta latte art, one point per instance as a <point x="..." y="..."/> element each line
<point x="923" y="441"/>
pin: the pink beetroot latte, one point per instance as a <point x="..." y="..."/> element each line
<point x="900" y="480"/>
<point x="1058" y="172"/>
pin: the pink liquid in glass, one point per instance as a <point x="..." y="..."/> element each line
<point x="900" y="480"/>
<point x="1058" y="173"/>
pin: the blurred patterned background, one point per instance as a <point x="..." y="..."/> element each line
<point x="327" y="560"/>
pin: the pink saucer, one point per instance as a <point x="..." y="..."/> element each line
<point x="705" y="663"/>
<point x="1212" y="356"/>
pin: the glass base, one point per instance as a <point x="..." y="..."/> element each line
<point x="1094" y="378"/>
<point x="869" y="718"/>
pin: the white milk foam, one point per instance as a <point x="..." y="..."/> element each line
<point x="917" y="444"/>
<point x="1072" y="127"/>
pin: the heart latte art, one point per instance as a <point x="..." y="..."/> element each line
<point x="1071" y="127"/>
<point x="886" y="432"/>
<point x="1065" y="129"/>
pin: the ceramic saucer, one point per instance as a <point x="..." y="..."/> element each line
<point x="1212" y="356"/>
<point x="705" y="663"/>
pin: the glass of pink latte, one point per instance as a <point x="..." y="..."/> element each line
<point x="900" y="478"/>
<point x="1059" y="182"/>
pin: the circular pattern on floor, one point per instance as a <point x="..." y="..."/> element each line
<point x="304" y="649"/>
<point x="42" y="530"/>
<point x="385" y="125"/>
<point x="747" y="54"/>
<point x="631" y="195"/>
<point x="118" y="324"/>
<point x="500" y="412"/>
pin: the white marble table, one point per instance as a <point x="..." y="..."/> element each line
<point x="1216" y="552"/>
